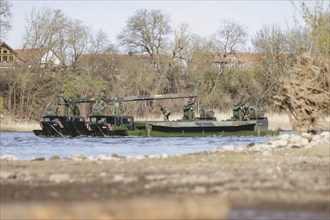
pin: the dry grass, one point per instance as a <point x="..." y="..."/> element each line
<point x="281" y="121"/>
<point x="323" y="123"/>
<point x="223" y="115"/>
<point x="278" y="121"/>
<point x="7" y="123"/>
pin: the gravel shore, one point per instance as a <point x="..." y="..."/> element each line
<point x="286" y="178"/>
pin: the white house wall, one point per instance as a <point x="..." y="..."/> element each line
<point x="50" y="58"/>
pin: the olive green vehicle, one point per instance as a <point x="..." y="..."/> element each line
<point x="62" y="119"/>
<point x="246" y="120"/>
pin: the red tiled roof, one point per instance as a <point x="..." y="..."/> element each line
<point x="31" y="56"/>
<point x="242" y="57"/>
<point x="2" y="43"/>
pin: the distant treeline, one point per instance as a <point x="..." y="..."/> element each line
<point x="152" y="64"/>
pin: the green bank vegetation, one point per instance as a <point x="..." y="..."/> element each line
<point x="159" y="66"/>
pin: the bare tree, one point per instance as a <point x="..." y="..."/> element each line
<point x="296" y="40"/>
<point x="99" y="43"/>
<point x="78" y="36"/>
<point x="230" y="35"/>
<point x="186" y="44"/>
<point x="316" y="15"/>
<point x="51" y="29"/>
<point x="270" y="41"/>
<point x="44" y="29"/>
<point x="5" y="16"/>
<point x="182" y="39"/>
<point x="146" y="32"/>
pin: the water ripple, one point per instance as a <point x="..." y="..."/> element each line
<point x="26" y="145"/>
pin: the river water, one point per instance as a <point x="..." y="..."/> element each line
<point x="25" y="145"/>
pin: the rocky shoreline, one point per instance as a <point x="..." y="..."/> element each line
<point x="289" y="176"/>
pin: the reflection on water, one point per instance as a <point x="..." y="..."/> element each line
<point x="25" y="145"/>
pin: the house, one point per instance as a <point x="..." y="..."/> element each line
<point x="7" y="55"/>
<point x="38" y="57"/>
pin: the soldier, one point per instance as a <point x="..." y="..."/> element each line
<point x="244" y="113"/>
<point x="99" y="107"/>
<point x="72" y="108"/>
<point x="188" y="110"/>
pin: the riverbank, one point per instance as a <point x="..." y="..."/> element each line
<point x="285" y="178"/>
<point x="277" y="121"/>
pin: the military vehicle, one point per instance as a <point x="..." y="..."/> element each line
<point x="117" y="124"/>
<point x="246" y="120"/>
<point x="62" y="119"/>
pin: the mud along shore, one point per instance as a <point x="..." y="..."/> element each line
<point x="290" y="180"/>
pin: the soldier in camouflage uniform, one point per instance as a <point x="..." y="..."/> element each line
<point x="189" y="110"/>
<point x="100" y="106"/>
<point x="241" y="110"/>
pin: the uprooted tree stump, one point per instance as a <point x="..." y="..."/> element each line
<point x="306" y="93"/>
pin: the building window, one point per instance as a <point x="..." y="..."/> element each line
<point x="5" y="51"/>
<point x="11" y="58"/>
<point x="4" y="58"/>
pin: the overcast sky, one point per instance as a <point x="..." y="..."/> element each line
<point x="202" y="16"/>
